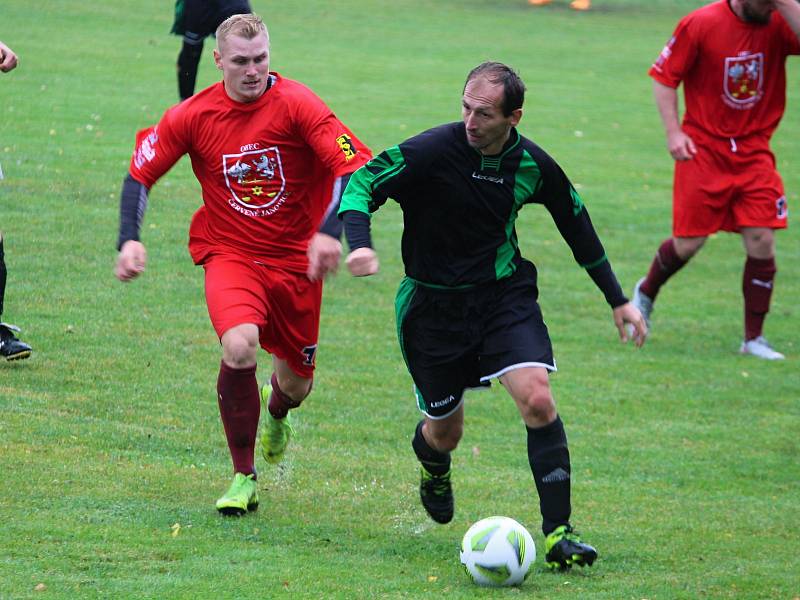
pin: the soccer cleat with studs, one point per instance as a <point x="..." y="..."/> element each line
<point x="11" y="348"/>
<point x="564" y="548"/>
<point x="278" y="431"/>
<point x="436" y="495"/>
<point x="241" y="497"/>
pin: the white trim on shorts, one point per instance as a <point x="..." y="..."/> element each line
<point x="505" y="370"/>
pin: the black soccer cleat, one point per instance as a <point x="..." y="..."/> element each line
<point x="564" y="549"/>
<point x="436" y="494"/>
<point x="10" y="347"/>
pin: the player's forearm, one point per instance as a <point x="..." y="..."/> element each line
<point x="356" y="229"/>
<point x="667" y="103"/>
<point x="331" y="224"/>
<point x="579" y="233"/>
<point x="132" y="205"/>
<point x="604" y="278"/>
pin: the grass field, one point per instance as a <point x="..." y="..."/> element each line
<point x="685" y="455"/>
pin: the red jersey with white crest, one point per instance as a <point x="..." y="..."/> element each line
<point x="733" y="72"/>
<point x="266" y="168"/>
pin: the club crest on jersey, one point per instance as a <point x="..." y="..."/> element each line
<point x="744" y="79"/>
<point x="346" y="145"/>
<point x="255" y="181"/>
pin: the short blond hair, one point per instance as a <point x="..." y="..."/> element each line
<point x="247" y="25"/>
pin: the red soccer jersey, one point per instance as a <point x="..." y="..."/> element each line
<point x="733" y="73"/>
<point x="266" y="168"/>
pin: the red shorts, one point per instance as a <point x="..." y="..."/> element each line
<point x="285" y="306"/>
<point x="729" y="184"/>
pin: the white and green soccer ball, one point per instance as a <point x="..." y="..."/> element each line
<point x="497" y="551"/>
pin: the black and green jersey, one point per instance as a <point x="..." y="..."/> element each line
<point x="460" y="208"/>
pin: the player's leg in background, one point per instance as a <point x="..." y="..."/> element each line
<point x="188" y="62"/>
<point x="671" y="256"/>
<point x="2" y="275"/>
<point x="196" y="27"/>
<point x="758" y="279"/>
<point x="11" y="348"/>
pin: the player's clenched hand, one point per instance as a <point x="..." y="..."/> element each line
<point x="324" y="252"/>
<point x="131" y="260"/>
<point x="626" y="316"/>
<point x="362" y="262"/>
<point x="681" y="146"/>
<point x="8" y="60"/>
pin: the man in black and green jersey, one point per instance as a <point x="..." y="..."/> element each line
<point x="467" y="310"/>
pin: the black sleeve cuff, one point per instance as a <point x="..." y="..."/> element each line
<point x="604" y="278"/>
<point x="356" y="229"/>
<point x="132" y="204"/>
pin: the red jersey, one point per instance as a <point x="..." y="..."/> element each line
<point x="733" y="72"/>
<point x="266" y="168"/>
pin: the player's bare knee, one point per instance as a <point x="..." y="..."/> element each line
<point x="240" y="346"/>
<point x="759" y="242"/>
<point x="444" y="439"/>
<point x="536" y="403"/>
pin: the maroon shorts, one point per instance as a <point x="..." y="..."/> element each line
<point x="285" y="306"/>
<point x="729" y="184"/>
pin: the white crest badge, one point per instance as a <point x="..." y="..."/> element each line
<point x="255" y="180"/>
<point x="744" y="79"/>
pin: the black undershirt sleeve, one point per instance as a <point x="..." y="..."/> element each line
<point x="356" y="229"/>
<point x="604" y="278"/>
<point x="573" y="222"/>
<point x="332" y="225"/>
<point x="132" y="204"/>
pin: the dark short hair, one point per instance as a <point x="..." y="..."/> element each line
<point x="497" y="73"/>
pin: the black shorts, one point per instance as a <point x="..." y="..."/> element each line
<point x="200" y="18"/>
<point x="457" y="339"/>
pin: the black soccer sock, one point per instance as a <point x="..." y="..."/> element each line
<point x="548" y="456"/>
<point x="435" y="462"/>
<point x="2" y="276"/>
<point x="188" y="61"/>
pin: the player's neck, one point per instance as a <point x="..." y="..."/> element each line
<point x="736" y="8"/>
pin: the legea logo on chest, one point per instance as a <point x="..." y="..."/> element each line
<point x="255" y="179"/>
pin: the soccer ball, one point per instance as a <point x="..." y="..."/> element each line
<point x="497" y="551"/>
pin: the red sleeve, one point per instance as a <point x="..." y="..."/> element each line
<point x="332" y="142"/>
<point x="158" y="148"/>
<point x="677" y="56"/>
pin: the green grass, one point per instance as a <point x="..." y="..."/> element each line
<point x="685" y="455"/>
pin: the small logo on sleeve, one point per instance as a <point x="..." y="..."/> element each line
<point x="346" y="145"/>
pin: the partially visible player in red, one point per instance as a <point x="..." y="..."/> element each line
<point x="731" y="58"/>
<point x="272" y="160"/>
